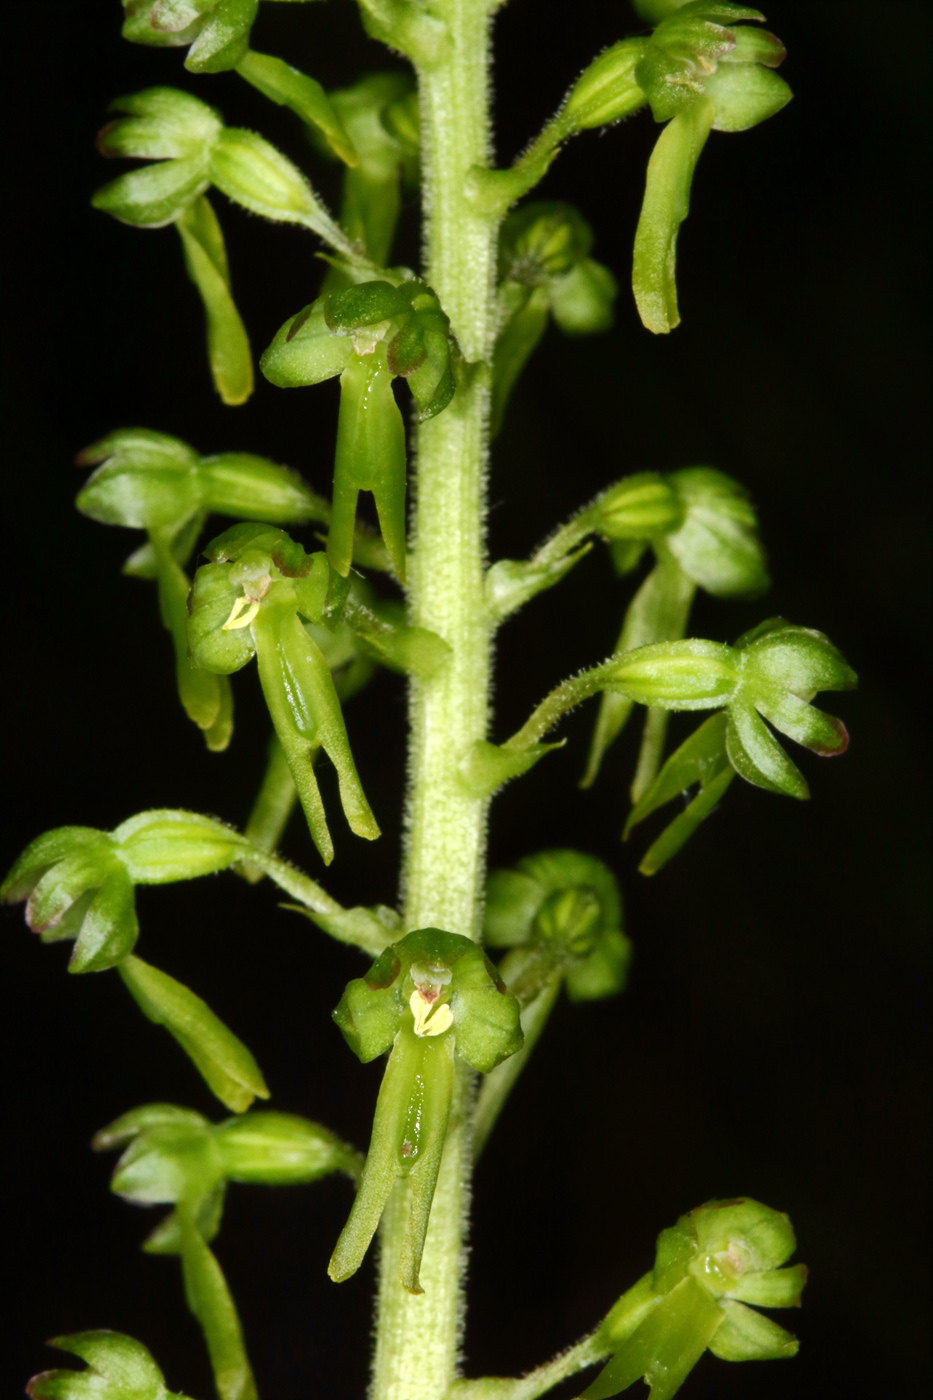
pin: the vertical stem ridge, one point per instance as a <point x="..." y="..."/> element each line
<point x="418" y="1338"/>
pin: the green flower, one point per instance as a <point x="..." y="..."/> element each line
<point x="428" y="997"/>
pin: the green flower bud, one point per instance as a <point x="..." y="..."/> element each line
<point x="118" y="1368"/>
<point x="250" y="171"/>
<point x="711" y="1260"/>
<point x="249" y="602"/>
<point x="544" y="268"/>
<point x="607" y="90"/>
<point x="542" y="241"/>
<point x="687" y="675"/>
<point x="639" y="507"/>
<point x="582" y="302"/>
<point x="717" y="545"/>
<point x="563" y="910"/>
<point x="280" y="1149"/>
<point x="426" y="997"/>
<point x="162" y="846"/>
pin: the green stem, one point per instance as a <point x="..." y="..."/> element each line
<point x="418" y="1339"/>
<point x="537" y="1382"/>
<point x="274" y="805"/>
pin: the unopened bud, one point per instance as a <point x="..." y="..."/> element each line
<point x="607" y="90"/>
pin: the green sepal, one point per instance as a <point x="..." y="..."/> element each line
<point x="253" y="539"/>
<point x="684" y="675"/>
<point x="163" y="23"/>
<point x="224" y="37"/>
<point x="44" y="853"/>
<point x="666" y="1346"/>
<point x="365" y="304"/>
<point x="666" y="205"/>
<point x="228" y="348"/>
<point x="742" y="93"/>
<point x="160" y="123"/>
<point x="211" y="1302"/>
<point x="485" y="767"/>
<point x="718" y="545"/>
<point x="213" y="597"/>
<point x="450" y="970"/>
<point x="772" y="1288"/>
<point x="156" y="195"/>
<point x="798" y="659"/>
<point x="305" y="350"/>
<point x="147" y="480"/>
<point x="137" y="1120"/>
<point x="225" y="1064"/>
<point x="167" y="1163"/>
<point x="109" y="928"/>
<point x="702" y="760"/>
<point x="282" y="83"/>
<point x="370" y="456"/>
<point x="757" y="756"/>
<point x="746" y="1335"/>
<point x="119" y="1368"/>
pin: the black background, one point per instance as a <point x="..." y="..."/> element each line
<point x="772" y="1039"/>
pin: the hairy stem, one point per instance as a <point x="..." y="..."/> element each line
<point x="418" y="1338"/>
